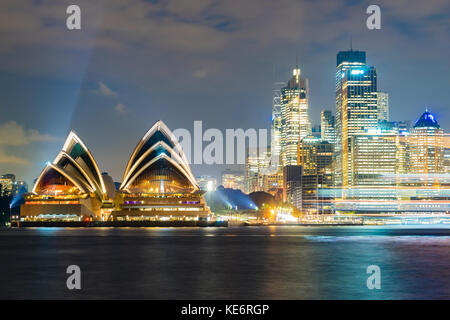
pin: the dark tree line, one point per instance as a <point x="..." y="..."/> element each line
<point x="4" y="209"/>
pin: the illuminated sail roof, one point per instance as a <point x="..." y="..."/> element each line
<point x="158" y="164"/>
<point x="74" y="170"/>
<point x="54" y="180"/>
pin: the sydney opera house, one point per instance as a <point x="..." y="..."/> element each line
<point x="157" y="185"/>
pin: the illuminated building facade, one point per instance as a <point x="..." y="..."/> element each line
<point x="272" y="182"/>
<point x="276" y="124"/>
<point x="447" y="160"/>
<point x="426" y="146"/>
<point x="70" y="188"/>
<point x="292" y="182"/>
<point x="233" y="179"/>
<point x="356" y="107"/>
<point x="316" y="159"/>
<point x="374" y="166"/>
<point x="383" y="106"/>
<point x="396" y="171"/>
<point x="307" y="154"/>
<point x="206" y="183"/>
<point x="403" y="161"/>
<point x="404" y="127"/>
<point x="295" y="123"/>
<point x="158" y="183"/>
<point x="327" y="126"/>
<point x="20" y="186"/>
<point x="256" y="162"/>
<point x="7" y="184"/>
<point x="374" y="156"/>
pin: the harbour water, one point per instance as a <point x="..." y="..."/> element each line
<point x="267" y="262"/>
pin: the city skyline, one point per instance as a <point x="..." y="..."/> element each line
<point x="121" y="109"/>
<point x="211" y="151"/>
<point x="49" y="138"/>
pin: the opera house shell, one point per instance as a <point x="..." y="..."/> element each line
<point x="71" y="188"/>
<point x="157" y="185"/>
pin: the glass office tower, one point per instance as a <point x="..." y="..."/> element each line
<point x="356" y="107"/>
<point x="426" y="143"/>
<point x="383" y="106"/>
<point x="276" y="124"/>
<point x="295" y="123"/>
<point x="327" y="129"/>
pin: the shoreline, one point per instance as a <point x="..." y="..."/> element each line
<point x="200" y="224"/>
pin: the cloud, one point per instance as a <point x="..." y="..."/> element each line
<point x="11" y="159"/>
<point x="200" y="73"/>
<point x="120" y="108"/>
<point x="104" y="90"/>
<point x="13" y="134"/>
<point x="136" y="35"/>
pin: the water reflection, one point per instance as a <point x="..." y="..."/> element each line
<point x="226" y="263"/>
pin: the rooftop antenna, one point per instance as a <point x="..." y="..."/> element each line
<point x="296" y="70"/>
<point x="351" y="43"/>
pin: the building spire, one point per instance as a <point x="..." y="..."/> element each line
<point x="351" y="43"/>
<point x="296" y="72"/>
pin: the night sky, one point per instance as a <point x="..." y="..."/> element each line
<point x="135" y="62"/>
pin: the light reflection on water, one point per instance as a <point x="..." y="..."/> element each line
<point x="434" y="240"/>
<point x="227" y="263"/>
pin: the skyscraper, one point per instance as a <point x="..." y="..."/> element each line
<point x="383" y="106"/>
<point x="426" y="146"/>
<point x="7" y="184"/>
<point x="307" y="155"/>
<point x="276" y="123"/>
<point x="272" y="182"/>
<point x="403" y="162"/>
<point x="295" y="124"/>
<point x="233" y="179"/>
<point x="374" y="158"/>
<point x="292" y="181"/>
<point x="404" y="127"/>
<point x="206" y="183"/>
<point x="20" y="186"/>
<point x="447" y="160"/>
<point x="328" y="131"/>
<point x="255" y="163"/>
<point x="374" y="165"/>
<point x="356" y="107"/>
<point x="316" y="159"/>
